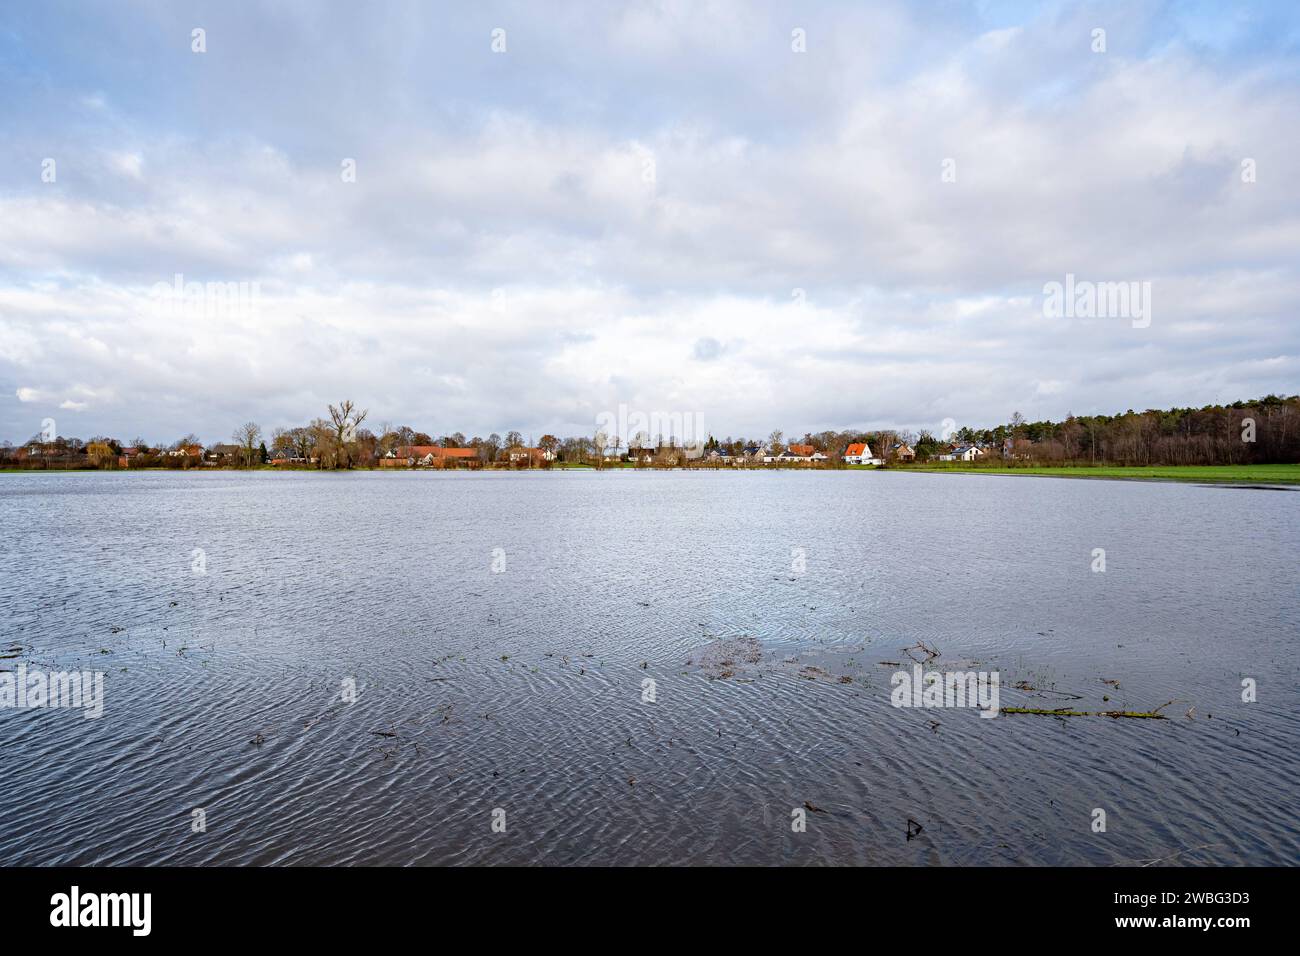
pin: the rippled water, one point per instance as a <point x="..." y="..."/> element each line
<point x="522" y="690"/>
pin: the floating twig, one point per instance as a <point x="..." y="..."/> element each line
<point x="930" y="652"/>
<point x="1066" y="712"/>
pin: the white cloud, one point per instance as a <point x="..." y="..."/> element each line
<point x="128" y="164"/>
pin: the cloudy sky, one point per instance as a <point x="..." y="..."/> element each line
<point x="796" y="216"/>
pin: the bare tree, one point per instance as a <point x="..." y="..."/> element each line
<point x="247" y="436"/>
<point x="387" y="438"/>
<point x="304" y="440"/>
<point x="323" y="446"/>
<point x="345" y="420"/>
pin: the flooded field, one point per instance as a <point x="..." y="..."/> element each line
<point x="646" y="668"/>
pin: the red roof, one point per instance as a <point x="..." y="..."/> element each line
<point x="857" y="448"/>
<point x="437" y="451"/>
<point x="416" y="451"/>
<point x="804" y="450"/>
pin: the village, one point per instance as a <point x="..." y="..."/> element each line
<point x="110" y="454"/>
<point x="1259" y="431"/>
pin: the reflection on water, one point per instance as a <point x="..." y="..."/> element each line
<point x="645" y="668"/>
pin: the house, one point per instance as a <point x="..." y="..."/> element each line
<point x="903" y="451"/>
<point x="223" y="454"/>
<point x="426" y="455"/>
<point x="1015" y="448"/>
<point x="792" y="454"/>
<point x="413" y="453"/>
<point x="962" y="453"/>
<point x="193" y="451"/>
<point x="753" y="452"/>
<point x="859" y="453"/>
<point x="531" y="456"/>
<point x="718" y="456"/>
<point x="450" y="455"/>
<point x="447" y="457"/>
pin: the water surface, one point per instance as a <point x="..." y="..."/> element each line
<point x="521" y="689"/>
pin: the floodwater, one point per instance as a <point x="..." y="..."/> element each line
<point x="646" y="668"/>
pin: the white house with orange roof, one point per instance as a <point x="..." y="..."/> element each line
<point x="859" y="453"/>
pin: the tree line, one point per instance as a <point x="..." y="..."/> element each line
<point x="1259" y="431"/>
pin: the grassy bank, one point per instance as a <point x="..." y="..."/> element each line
<point x="1234" y="474"/>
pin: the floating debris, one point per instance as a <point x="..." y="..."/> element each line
<point x="930" y="652"/>
<point x="721" y="659"/>
<point x="1067" y="712"/>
